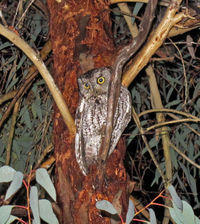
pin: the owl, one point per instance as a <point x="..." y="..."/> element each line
<point x="91" y="115"/>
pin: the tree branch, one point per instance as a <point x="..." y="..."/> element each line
<point x="155" y="40"/>
<point x="35" y="58"/>
<point x="16" y="94"/>
<point x="122" y="57"/>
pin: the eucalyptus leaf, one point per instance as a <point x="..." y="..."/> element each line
<point x="22" y="60"/>
<point x="106" y="206"/>
<point x="190" y="178"/>
<point x="131" y="212"/>
<point x="5" y="45"/>
<point x="15" y="184"/>
<point x="42" y="178"/>
<point x="188" y="213"/>
<point x="175" y="197"/>
<point x="185" y="216"/>
<point x="6" y="174"/>
<point x="136" y="9"/>
<point x="34" y="204"/>
<point x="152" y="216"/>
<point x="11" y="219"/>
<point x="46" y="212"/>
<point x="5" y="212"/>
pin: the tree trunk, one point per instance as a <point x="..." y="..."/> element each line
<point x="81" y="40"/>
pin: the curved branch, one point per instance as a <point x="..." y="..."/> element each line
<point x="163" y="110"/>
<point x="122" y="57"/>
<point x="184" y="156"/>
<point x="26" y="83"/>
<point x="35" y="58"/>
<point x="137" y="121"/>
<point x="154" y="42"/>
<point x="33" y="72"/>
<point x="171" y="122"/>
<point x="11" y="132"/>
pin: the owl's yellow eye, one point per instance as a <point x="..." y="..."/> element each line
<point x="86" y="85"/>
<point x="101" y="80"/>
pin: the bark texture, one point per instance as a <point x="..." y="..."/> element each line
<point x="81" y="40"/>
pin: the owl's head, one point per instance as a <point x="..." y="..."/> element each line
<point x="95" y="82"/>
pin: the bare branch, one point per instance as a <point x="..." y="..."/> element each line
<point x="122" y="57"/>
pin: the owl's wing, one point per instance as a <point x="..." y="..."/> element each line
<point x="122" y="117"/>
<point x="79" y="143"/>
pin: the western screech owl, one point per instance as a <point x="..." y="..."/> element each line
<point x="91" y="115"/>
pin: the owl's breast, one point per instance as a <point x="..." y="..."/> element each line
<point x="94" y="116"/>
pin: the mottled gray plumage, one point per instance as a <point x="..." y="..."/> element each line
<point x="91" y="116"/>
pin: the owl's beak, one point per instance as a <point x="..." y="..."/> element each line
<point x="95" y="93"/>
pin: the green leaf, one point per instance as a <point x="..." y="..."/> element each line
<point x="106" y="206"/>
<point x="174" y="158"/>
<point x="143" y="88"/>
<point x="197" y="220"/>
<point x="2" y="160"/>
<point x="15" y="184"/>
<point x="33" y="109"/>
<point x="38" y="108"/>
<point x="188" y="213"/>
<point x="27" y="120"/>
<point x="152" y="216"/>
<point x="4" y="45"/>
<point x="190" y="179"/>
<point x="131" y="212"/>
<point x="169" y="93"/>
<point x="175" y="216"/>
<point x="42" y="178"/>
<point x="34" y="203"/>
<point x="36" y="28"/>
<point x="11" y="219"/>
<point x="22" y="59"/>
<point x="5" y="212"/>
<point x="173" y="103"/>
<point x="46" y="212"/>
<point x="6" y="174"/>
<point x="12" y="84"/>
<point x="176" y="199"/>
<point x="153" y="142"/>
<point x="136" y="9"/>
<point x="186" y="216"/>
<point x="132" y="136"/>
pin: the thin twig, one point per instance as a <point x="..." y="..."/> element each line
<point x="187" y="125"/>
<point x="16" y="11"/>
<point x="184" y="156"/>
<point x="172" y="122"/>
<point x="23" y="15"/>
<point x="11" y="133"/>
<point x="164" y="110"/>
<point x="48" y="149"/>
<point x="137" y="121"/>
<point x="184" y="73"/>
<point x="7" y="96"/>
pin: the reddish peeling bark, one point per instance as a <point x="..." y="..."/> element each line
<point x="81" y="40"/>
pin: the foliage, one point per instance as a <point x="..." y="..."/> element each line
<point x="108" y="207"/>
<point x="41" y="208"/>
<point x="176" y="67"/>
<point x="181" y="212"/>
<point x="33" y="127"/>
